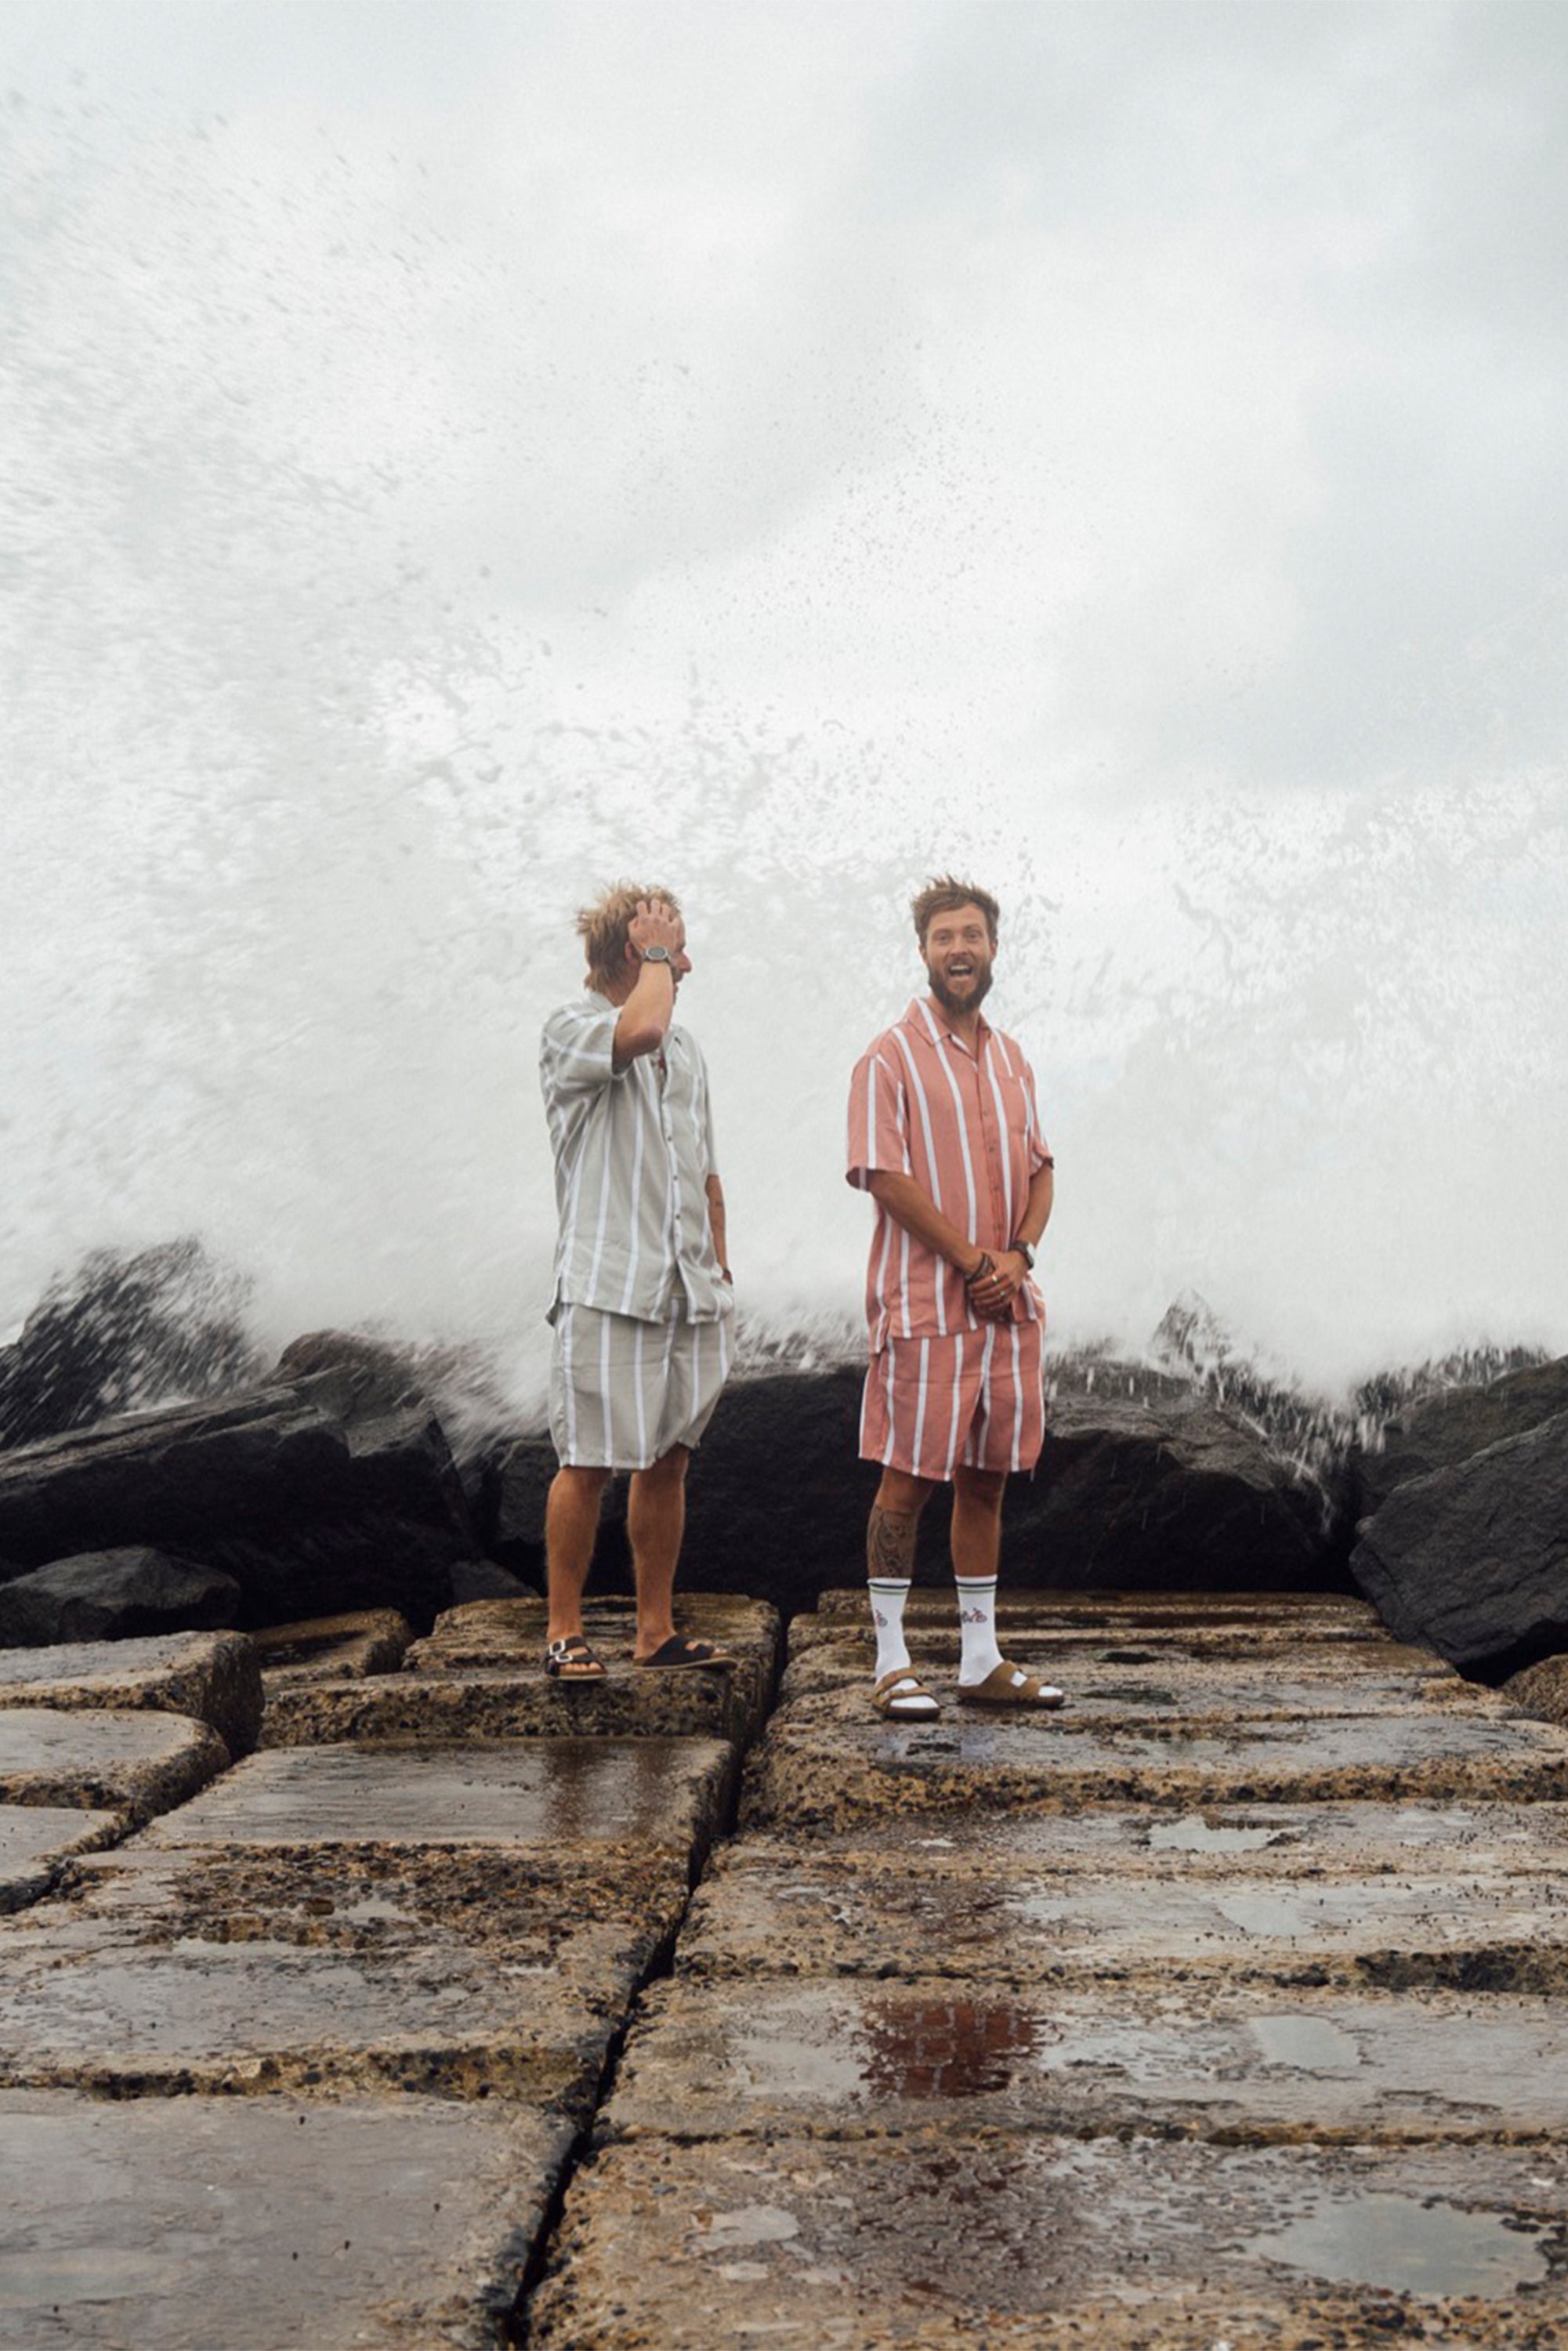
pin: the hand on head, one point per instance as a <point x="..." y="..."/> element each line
<point x="653" y="926"/>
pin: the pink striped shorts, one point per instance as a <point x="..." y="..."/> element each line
<point x="974" y="1400"/>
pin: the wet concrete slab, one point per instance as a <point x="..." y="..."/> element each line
<point x="1259" y="1617"/>
<point x="828" y="1759"/>
<point x="1461" y="1840"/>
<point x="1135" y="1686"/>
<point x="480" y="1675"/>
<point x="132" y="1999"/>
<point x="857" y="1908"/>
<point x="468" y="1922"/>
<point x="496" y="1633"/>
<point x="542" y="1794"/>
<point x="332" y="1648"/>
<point x="212" y="1678"/>
<point x="394" y="2224"/>
<point x="1066" y="1649"/>
<point x="943" y="2236"/>
<point x="36" y="1840"/>
<point x="103" y="1759"/>
<point x="1212" y="2059"/>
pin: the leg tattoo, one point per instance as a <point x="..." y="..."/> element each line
<point x="890" y="1563"/>
<point x="890" y="1545"/>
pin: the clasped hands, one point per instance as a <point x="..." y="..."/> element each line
<point x="995" y="1283"/>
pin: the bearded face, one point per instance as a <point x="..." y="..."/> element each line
<point x="959" y="954"/>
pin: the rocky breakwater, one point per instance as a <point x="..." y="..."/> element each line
<point x="299" y="2047"/>
<point x="305" y="1495"/>
<point x="237" y="1496"/>
<point x="1228" y="2007"/>
<point x="1148" y="1478"/>
<point x="1463" y="1533"/>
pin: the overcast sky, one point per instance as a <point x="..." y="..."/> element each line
<point x="1121" y="440"/>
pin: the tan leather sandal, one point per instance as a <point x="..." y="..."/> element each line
<point x="1010" y="1685"/>
<point x="902" y="1696"/>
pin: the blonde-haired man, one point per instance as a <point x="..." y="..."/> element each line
<point x="944" y="1135"/>
<point x="643" y="1304"/>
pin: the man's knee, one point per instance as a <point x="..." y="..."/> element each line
<point x="572" y="1483"/>
<point x="902" y="1496"/>
<point x="981" y="1489"/>
<point x="667" y="1472"/>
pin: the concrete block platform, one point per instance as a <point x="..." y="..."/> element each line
<point x="332" y="1648"/>
<point x="212" y="1678"/>
<point x="391" y="2225"/>
<point x="480" y="1675"/>
<point x="828" y="1761"/>
<point x="1204" y="2057"/>
<point x="148" y="2006"/>
<point x="948" y="2237"/>
<point x="550" y="1796"/>
<point x="129" y="1761"/>
<point x="36" y="1840"/>
<point x="1206" y="1620"/>
<point x="854" y="1908"/>
<point x="1110" y="1686"/>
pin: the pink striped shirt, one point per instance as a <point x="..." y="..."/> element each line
<point x="965" y="1126"/>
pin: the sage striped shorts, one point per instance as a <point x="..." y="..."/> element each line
<point x="623" y="1393"/>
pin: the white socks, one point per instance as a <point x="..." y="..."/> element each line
<point x="976" y="1628"/>
<point x="887" y="1599"/>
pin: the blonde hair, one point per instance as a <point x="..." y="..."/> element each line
<point x="944" y="894"/>
<point x="603" y="928"/>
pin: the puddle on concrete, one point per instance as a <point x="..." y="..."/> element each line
<point x="1193" y="1834"/>
<point x="752" y="2224"/>
<point x="1279" y="1917"/>
<point x="943" y="2048"/>
<point x="94" y="2273"/>
<point x="1407" y="2246"/>
<point x="871" y="2049"/>
<point x="1310" y="2043"/>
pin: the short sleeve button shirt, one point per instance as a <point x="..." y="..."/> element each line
<point x="633" y="1150"/>
<point x="964" y="1124"/>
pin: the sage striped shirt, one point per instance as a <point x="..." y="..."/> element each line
<point x="634" y="1150"/>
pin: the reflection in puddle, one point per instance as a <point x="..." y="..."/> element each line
<point x="1310" y="2042"/>
<point x="943" y="2048"/>
<point x="1408" y="2247"/>
<point x="1195" y="1834"/>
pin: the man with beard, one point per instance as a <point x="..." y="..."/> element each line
<point x="946" y="1136"/>
<point x="642" y="1304"/>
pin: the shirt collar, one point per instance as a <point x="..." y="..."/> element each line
<point x="932" y="1029"/>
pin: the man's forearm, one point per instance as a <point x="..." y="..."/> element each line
<point x="1038" y="1207"/>
<point x="644" y="1019"/>
<point x="920" y="1217"/>
<point x="714" y="1191"/>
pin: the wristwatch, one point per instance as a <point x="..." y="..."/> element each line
<point x="655" y="955"/>
<point x="1024" y="1251"/>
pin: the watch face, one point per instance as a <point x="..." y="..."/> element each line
<point x="655" y="955"/>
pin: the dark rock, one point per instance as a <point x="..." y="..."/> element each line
<point x="313" y="1507"/>
<point x="1442" y="1430"/>
<point x="776" y="1497"/>
<point x="513" y="1487"/>
<point x="1160" y="1489"/>
<point x="124" y="1331"/>
<point x="1473" y="1559"/>
<point x="361" y="1376"/>
<point x="1168" y="1492"/>
<point x="481" y="1579"/>
<point x="109" y="1595"/>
